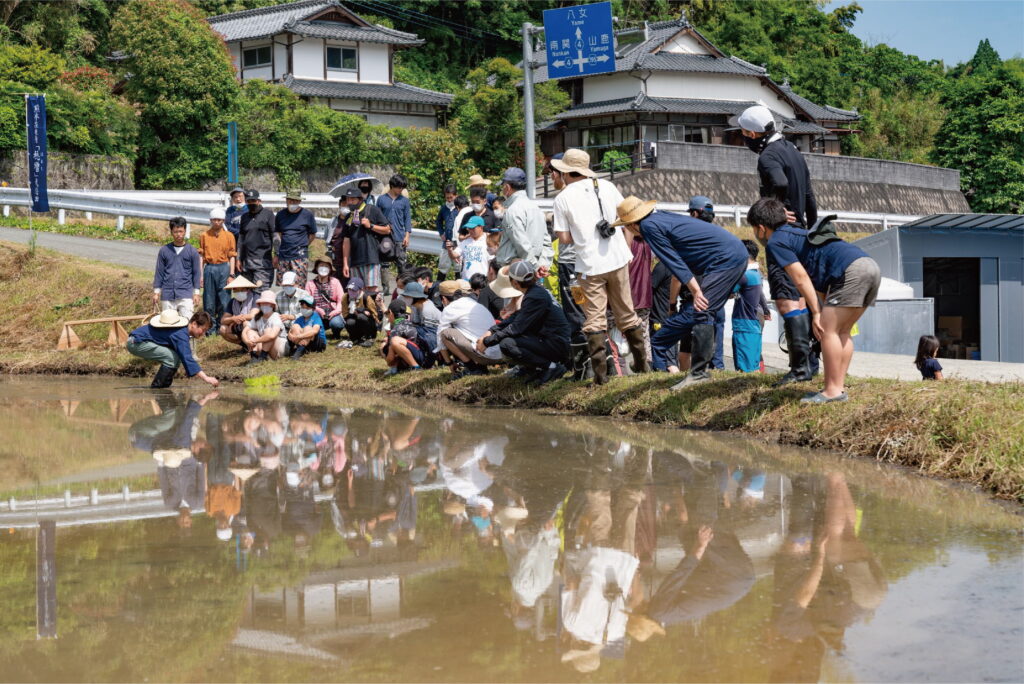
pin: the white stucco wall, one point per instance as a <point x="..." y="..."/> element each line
<point x="373" y="63"/>
<point x="308" y="59"/>
<point x="262" y="73"/>
<point x="403" y="120"/>
<point x="280" y="56"/>
<point x="685" y="44"/>
<point x="715" y="87"/>
<point x="236" y="56"/>
<point x="609" y="87"/>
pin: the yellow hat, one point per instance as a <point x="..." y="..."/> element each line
<point x="632" y="209"/>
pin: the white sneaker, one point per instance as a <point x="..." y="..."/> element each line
<point x="344" y="344"/>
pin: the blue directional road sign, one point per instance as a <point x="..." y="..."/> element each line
<point x="579" y="40"/>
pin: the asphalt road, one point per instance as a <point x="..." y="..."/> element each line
<point x="118" y="252"/>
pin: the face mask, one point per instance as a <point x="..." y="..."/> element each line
<point x="294" y="208"/>
<point x="499" y="213"/>
<point x="240" y="296"/>
<point x="344" y="211"/>
<point x="323" y="271"/>
<point x="478" y="207"/>
<point x="306" y="313"/>
<point x="267" y="310"/>
<point x="756" y="145"/>
<point x="240" y="204"/>
<point x="289" y="289"/>
<point x="253" y="208"/>
<point x="450" y="205"/>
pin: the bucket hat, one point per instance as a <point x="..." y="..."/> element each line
<point x="267" y="297"/>
<point x="574" y="161"/>
<point x="502" y="285"/>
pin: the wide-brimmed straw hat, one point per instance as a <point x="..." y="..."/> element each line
<point x="502" y="285"/>
<point x="323" y="260"/>
<point x="574" y="161"/>
<point x="477" y="179"/>
<point x="168" y="319"/>
<point x="240" y="283"/>
<point x="642" y="628"/>
<point x="632" y="209"/>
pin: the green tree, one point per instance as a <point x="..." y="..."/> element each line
<point x="898" y="125"/>
<point x="183" y="81"/>
<point x="983" y="134"/>
<point x="34" y="66"/>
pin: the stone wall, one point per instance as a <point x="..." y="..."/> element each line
<point x="832" y="195"/>
<point x="312" y="180"/>
<point x="740" y="160"/>
<point x="72" y="172"/>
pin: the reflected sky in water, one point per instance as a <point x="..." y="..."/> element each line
<point x="298" y="536"/>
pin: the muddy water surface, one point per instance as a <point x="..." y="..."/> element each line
<point x="294" y="536"/>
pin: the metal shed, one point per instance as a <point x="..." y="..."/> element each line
<point x="972" y="265"/>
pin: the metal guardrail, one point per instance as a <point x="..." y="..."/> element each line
<point x="195" y="208"/>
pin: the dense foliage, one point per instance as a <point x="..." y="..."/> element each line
<point x="169" y="115"/>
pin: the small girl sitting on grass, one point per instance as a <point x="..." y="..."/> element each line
<point x="927" y="350"/>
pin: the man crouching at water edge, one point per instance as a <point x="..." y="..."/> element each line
<point x="706" y="259"/>
<point x="165" y="339"/>
<point x="820" y="264"/>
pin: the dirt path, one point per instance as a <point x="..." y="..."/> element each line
<point x="118" y="252"/>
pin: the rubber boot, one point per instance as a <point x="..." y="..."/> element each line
<point x="598" y="356"/>
<point x="637" y="349"/>
<point x="798" y="340"/>
<point x="580" y="361"/>
<point x="702" y="352"/>
<point x="164" y="377"/>
<point x="299" y="352"/>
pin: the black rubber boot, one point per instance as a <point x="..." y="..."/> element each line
<point x="637" y="349"/>
<point x="299" y="352"/>
<point x="702" y="352"/>
<point x="164" y="377"/>
<point x="798" y="341"/>
<point x="580" y="361"/>
<point x="598" y="356"/>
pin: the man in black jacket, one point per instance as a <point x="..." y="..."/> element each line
<point x="256" y="243"/>
<point x="537" y="335"/>
<point x="783" y="174"/>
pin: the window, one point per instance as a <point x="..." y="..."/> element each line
<point x="342" y="58"/>
<point x="256" y="57"/>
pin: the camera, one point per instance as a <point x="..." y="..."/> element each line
<point x="605" y="229"/>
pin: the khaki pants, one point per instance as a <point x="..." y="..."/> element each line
<point x="608" y="289"/>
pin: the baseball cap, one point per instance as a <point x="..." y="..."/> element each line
<point x="306" y="298"/>
<point x="522" y="271"/>
<point x="355" y="284"/>
<point x="513" y="175"/>
<point x="450" y="287"/>
<point x="217" y="213"/>
<point x="252" y="194"/>
<point x="234" y="190"/>
<point x="700" y="203"/>
<point x="755" y="119"/>
<point x="474" y="222"/>
<point x="353" y="192"/>
<point x="288" y="278"/>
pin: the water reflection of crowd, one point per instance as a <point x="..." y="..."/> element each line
<point x="609" y="547"/>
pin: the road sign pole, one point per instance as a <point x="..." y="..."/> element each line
<point x="529" y="154"/>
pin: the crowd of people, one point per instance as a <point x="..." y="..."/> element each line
<point x="604" y="285"/>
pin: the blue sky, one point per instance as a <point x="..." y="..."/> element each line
<point x="941" y="29"/>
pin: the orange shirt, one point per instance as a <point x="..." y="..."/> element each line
<point x="223" y="498"/>
<point x="216" y="249"/>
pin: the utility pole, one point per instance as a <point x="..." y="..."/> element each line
<point x="529" y="156"/>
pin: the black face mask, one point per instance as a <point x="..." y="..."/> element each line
<point x="756" y="145"/>
<point x="254" y="208"/>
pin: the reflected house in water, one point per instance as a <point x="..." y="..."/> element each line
<point x="333" y="608"/>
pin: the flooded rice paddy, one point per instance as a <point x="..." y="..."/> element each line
<point x="285" y="535"/>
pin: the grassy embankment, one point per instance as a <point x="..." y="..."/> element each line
<point x="968" y="431"/>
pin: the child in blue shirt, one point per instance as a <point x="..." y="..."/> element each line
<point x="746" y="316"/>
<point x="927" y="350"/>
<point x="306" y="333"/>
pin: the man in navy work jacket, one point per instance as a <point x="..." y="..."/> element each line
<point x="294" y="230"/>
<point x="177" y="275"/>
<point x="398" y="211"/>
<point x="819" y="262"/>
<point x="165" y="339"/>
<point x="707" y="260"/>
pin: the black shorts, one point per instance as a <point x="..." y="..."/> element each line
<point x="780" y="284"/>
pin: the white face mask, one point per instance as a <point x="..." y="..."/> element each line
<point x="240" y="296"/>
<point x="294" y="208"/>
<point x="450" y="205"/>
<point x="267" y="310"/>
<point x="289" y="289"/>
<point x="323" y="271"/>
<point x="344" y="211"/>
<point x="499" y="213"/>
<point x="478" y="207"/>
<point x="240" y="203"/>
<point x="306" y="313"/>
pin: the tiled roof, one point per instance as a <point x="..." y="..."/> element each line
<point x="968" y="222"/>
<point x="671" y="105"/>
<point x="820" y="112"/>
<point x="268" y="21"/>
<point x="399" y="92"/>
<point x="362" y="34"/>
